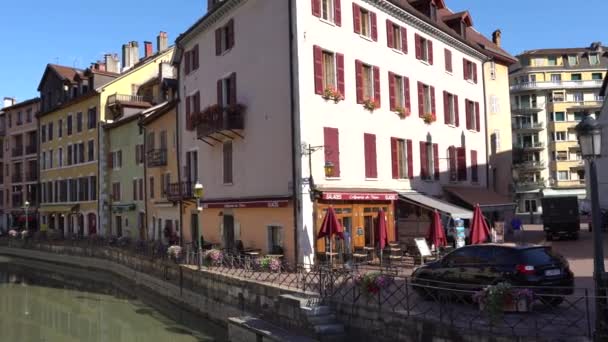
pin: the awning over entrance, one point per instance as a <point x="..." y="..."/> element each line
<point x="433" y="203"/>
<point x="580" y="193"/>
<point x="59" y="208"/>
<point x="487" y="200"/>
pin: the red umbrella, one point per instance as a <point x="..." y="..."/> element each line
<point x="436" y="234"/>
<point x="330" y="226"/>
<point x="479" y="228"/>
<point x="382" y="229"/>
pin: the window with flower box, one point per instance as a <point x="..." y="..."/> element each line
<point x="399" y="93"/>
<point x="450" y="108"/>
<point x="368" y="83"/>
<point x="401" y="157"/>
<point x="426" y="100"/>
<point x="329" y="74"/>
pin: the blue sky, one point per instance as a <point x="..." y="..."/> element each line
<point x="76" y="32"/>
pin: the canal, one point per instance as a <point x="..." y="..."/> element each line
<point x="42" y="305"/>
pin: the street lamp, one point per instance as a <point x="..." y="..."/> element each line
<point x="26" y="206"/>
<point x="590" y="140"/>
<point x="198" y="192"/>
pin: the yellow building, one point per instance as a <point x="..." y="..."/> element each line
<point x="551" y="90"/>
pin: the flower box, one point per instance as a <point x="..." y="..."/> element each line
<point x="332" y="94"/>
<point x="429" y="118"/>
<point x="497" y="299"/>
<point x="370" y="104"/>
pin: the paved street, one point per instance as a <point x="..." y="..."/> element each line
<point x="579" y="253"/>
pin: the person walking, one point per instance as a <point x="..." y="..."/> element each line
<point x="517" y="227"/>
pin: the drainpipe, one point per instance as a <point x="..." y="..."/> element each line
<point x="145" y="159"/>
<point x="177" y="99"/>
<point x="485" y="115"/>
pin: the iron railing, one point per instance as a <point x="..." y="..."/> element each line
<point x="180" y="191"/>
<point x="18" y="151"/>
<point x="31" y="149"/>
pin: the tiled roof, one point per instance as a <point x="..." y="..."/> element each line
<point x="66" y="72"/>
<point x="22" y="104"/>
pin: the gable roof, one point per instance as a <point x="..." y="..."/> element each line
<point x="64" y="73"/>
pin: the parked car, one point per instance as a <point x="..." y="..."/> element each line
<point x="561" y="217"/>
<point x="473" y="267"/>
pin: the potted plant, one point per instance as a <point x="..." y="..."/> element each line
<point x="213" y="257"/>
<point x="270" y="263"/>
<point x="429" y="118"/>
<point x="13" y="233"/>
<point x="370" y="104"/>
<point x="371" y="283"/>
<point x="497" y="299"/>
<point x="333" y="94"/>
<point x="402" y="112"/>
<point x="174" y="252"/>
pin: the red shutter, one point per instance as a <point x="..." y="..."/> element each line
<point x="374" y="24"/>
<point x="337" y="13"/>
<point x="433" y="110"/>
<point x="232" y="99"/>
<point x="410" y="160"/>
<point x="187" y="61"/>
<point x="220" y="93"/>
<point x="423" y="161"/>
<point x="452" y="159"/>
<point x="474" y="174"/>
<point x="318" y="69"/>
<point x="110" y="160"/>
<point x="218" y="42"/>
<point x="430" y="51"/>
<point x="420" y="99"/>
<point x="446" y="108"/>
<point x="407" y="93"/>
<point x="395" y="158"/>
<point x="369" y="141"/>
<point x="340" y="72"/>
<point x="377" y="96"/>
<point x="391" y="90"/>
<point x="475" y="73"/>
<point x="141" y="189"/>
<point x="418" y="46"/>
<point x="436" y="160"/>
<point x="188" y="113"/>
<point x="457" y="119"/>
<point x="136" y="154"/>
<point x="356" y="18"/>
<point x="359" y="79"/>
<point x="135" y="189"/>
<point x="404" y="39"/>
<point x="332" y="148"/>
<point x="196" y="106"/>
<point x="389" y="34"/>
<point x="465" y="68"/>
<point x="316" y="8"/>
<point x="462" y="164"/>
<point x="467" y="110"/>
<point x="448" y="60"/>
<point x="477" y="118"/>
<point x="195" y="61"/>
<point x="230" y="35"/>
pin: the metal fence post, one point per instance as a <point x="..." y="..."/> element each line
<point x="587" y="313"/>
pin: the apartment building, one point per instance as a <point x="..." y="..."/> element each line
<point x="358" y="105"/>
<point x="551" y="90"/>
<point x="18" y="163"/>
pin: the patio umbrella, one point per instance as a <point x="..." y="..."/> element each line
<point x="479" y="228"/>
<point x="382" y="232"/>
<point x="436" y="234"/>
<point x="330" y="227"/>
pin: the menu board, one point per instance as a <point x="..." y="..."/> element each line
<point x="423" y="247"/>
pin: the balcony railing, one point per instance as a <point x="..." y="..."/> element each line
<point x="584" y="104"/>
<point x="17" y="177"/>
<point x="557" y="84"/>
<point x="31" y="176"/>
<point x="117" y="103"/>
<point x="529" y="126"/>
<point x="528" y="108"/>
<point x="530" y="165"/>
<point x="578" y="183"/>
<point x="180" y="191"/>
<point x="157" y="157"/>
<point x="18" y="151"/>
<point x="528" y="185"/>
<point x="530" y="146"/>
<point x="31" y="149"/>
<point x="216" y="120"/>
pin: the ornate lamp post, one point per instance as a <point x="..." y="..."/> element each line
<point x="26" y="206"/>
<point x="198" y="192"/>
<point x="590" y="139"/>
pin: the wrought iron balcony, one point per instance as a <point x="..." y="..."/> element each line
<point x="530" y="165"/>
<point x="120" y="103"/>
<point x="180" y="191"/>
<point x="577" y="183"/>
<point x="529" y="185"/>
<point x="18" y="151"/>
<point x="157" y="157"/>
<point x="530" y="146"/>
<point x="585" y="104"/>
<point x="556" y="84"/>
<point x="529" y="126"/>
<point x="521" y="109"/>
<point x="31" y="149"/>
<point x="215" y="123"/>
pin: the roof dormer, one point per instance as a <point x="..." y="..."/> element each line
<point x="459" y="22"/>
<point x="428" y="7"/>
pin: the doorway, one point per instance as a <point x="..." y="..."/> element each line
<point x="228" y="232"/>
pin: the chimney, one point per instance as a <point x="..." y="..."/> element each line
<point x="162" y="41"/>
<point x="9" y="101"/>
<point x="126" y="56"/>
<point x="148" y="49"/>
<point x="496" y="37"/>
<point x="111" y="62"/>
<point x="134" y="53"/>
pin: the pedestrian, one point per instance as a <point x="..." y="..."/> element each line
<point x="346" y="250"/>
<point x="517" y="227"/>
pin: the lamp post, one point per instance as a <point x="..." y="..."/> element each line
<point x="26" y="206"/>
<point x="590" y="139"/>
<point x="198" y="192"/>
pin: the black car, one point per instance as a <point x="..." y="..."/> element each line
<point x="471" y="268"/>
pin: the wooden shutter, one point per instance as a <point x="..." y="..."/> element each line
<point x="110" y="159"/>
<point x="135" y="189"/>
<point x="332" y="148"/>
<point x="340" y="73"/>
<point x="369" y="141"/>
<point x="433" y="110"/>
<point x="136" y="154"/>
<point x="230" y="28"/>
<point x="475" y="73"/>
<point x="359" y="80"/>
<point x="389" y="34"/>
<point x="187" y="62"/>
<point x="418" y="46"/>
<point x="430" y="51"/>
<point x="141" y="189"/>
<point x="232" y="100"/>
<point x="465" y="69"/>
<point x="404" y="40"/>
<point x="395" y="158"/>
<point x="436" y="160"/>
<point x="448" y="60"/>
<point x="446" y="108"/>
<point x="452" y="159"/>
<point x="196" y="106"/>
<point x="195" y="57"/>
<point x="391" y="91"/>
<point x="377" y="95"/>
<point x="477" y="118"/>
<point x="188" y="113"/>
<point x="456" y="118"/>
<point x="467" y="110"/>
<point x="316" y="8"/>
<point x="356" y="18"/>
<point x="220" y="93"/>
<point x="423" y="161"/>
<point x="318" y="69"/>
<point x="410" y="159"/>
<point x="462" y="163"/>
<point x="337" y="13"/>
<point x="218" y="42"/>
<point x="374" y="25"/>
<point x="474" y="174"/>
<point x="420" y="99"/>
<point x="406" y="90"/>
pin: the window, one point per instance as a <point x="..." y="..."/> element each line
<point x="69" y="124"/>
<point x="469" y="70"/>
<point x="578" y="97"/>
<point x="151" y="190"/>
<point x="19" y="118"/>
<point x="192" y="166"/>
<point x="116" y="192"/>
<point x="328" y="71"/>
<point x="91" y="150"/>
<point x="426" y="100"/>
<point x="275" y="240"/>
<point x="399" y="93"/>
<point x="329" y="10"/>
<point x="575" y="77"/>
<point x="227" y="156"/>
<point x="50" y="127"/>
<point x="371" y="166"/>
<point x="365" y="22"/>
<point x="139" y="154"/>
<point x="562" y="175"/>
<point x="560" y="155"/>
<point x="424" y="49"/>
<point x="494" y="104"/>
<point x="227" y="90"/>
<point x="69" y="159"/>
<point x="560" y="136"/>
<point x="450" y="108"/>
<point x="224" y="41"/>
<point x="559" y="96"/>
<point x="50" y="154"/>
<point x="594" y="59"/>
<point x="597" y="76"/>
<point x="43" y="161"/>
<point x="193" y="104"/>
<point x="552" y="61"/>
<point x="116" y="159"/>
<point x="401" y="152"/>
<point x="429" y="160"/>
<point x="579" y="116"/>
<point x="79" y="122"/>
<point x="493" y="70"/>
<point x="42" y="133"/>
<point x="573" y="60"/>
<point x="368" y="83"/>
<point x="93" y="185"/>
<point x="559" y="116"/>
<point x="556" y="78"/>
<point x="191" y="57"/>
<point x="60" y="161"/>
<point x="60" y="128"/>
<point x="396" y="36"/>
<point x="448" y="60"/>
<point x="473" y="117"/>
<point x="92" y="118"/>
<point x="28" y="116"/>
<point x="331" y="141"/>
<point x="81" y="153"/>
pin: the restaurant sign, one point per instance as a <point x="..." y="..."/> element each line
<point x="360" y="196"/>
<point x="245" y="204"/>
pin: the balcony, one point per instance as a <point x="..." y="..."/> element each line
<point x="530" y="146"/>
<point x="584" y="105"/>
<point x="530" y="166"/>
<point x="527" y="109"/>
<point x="31" y="149"/>
<point x="529" y="126"/>
<point x="562" y="125"/>
<point x="122" y="104"/>
<point x="17" y="151"/>
<point x="529" y="185"/>
<point x="571" y="163"/>
<point x="157" y="157"/>
<point x="568" y="184"/>
<point x="31" y="176"/>
<point x="17" y="177"/>
<point x="216" y="124"/>
<point x="180" y="191"/>
<point x="556" y="85"/>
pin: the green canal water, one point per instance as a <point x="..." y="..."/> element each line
<point x="37" y="306"/>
